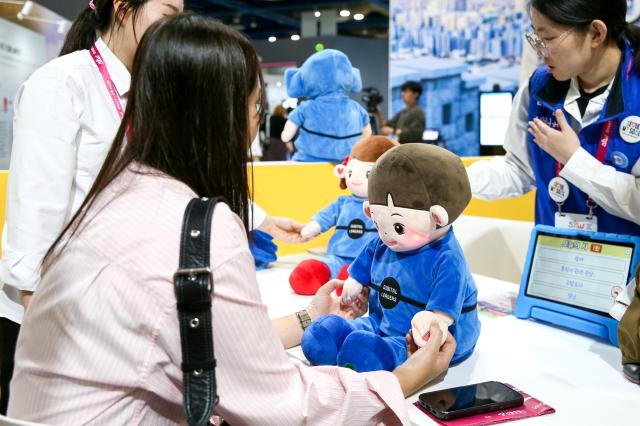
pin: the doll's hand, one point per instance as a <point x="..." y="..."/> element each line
<point x="422" y="322"/>
<point x="561" y="145"/>
<point x="311" y="230"/>
<point x="326" y="303"/>
<point x="350" y="291"/>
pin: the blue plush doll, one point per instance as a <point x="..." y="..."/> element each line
<point x="416" y="271"/>
<point x="353" y="229"/>
<point x="330" y="122"/>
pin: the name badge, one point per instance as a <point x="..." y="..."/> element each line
<point x="559" y="189"/>
<point x="630" y="129"/>
<point x="576" y="221"/>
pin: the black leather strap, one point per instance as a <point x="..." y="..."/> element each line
<point x="193" y="284"/>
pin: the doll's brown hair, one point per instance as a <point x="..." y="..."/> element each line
<point x="419" y="176"/>
<point x="368" y="150"/>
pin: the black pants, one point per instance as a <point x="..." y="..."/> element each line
<point x="8" y="337"/>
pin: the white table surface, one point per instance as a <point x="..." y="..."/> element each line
<point x="577" y="375"/>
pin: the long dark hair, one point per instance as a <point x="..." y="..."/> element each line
<point x="90" y="22"/>
<point x="581" y="13"/>
<point x="187" y="113"/>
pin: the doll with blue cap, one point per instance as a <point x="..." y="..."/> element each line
<point x="353" y="229"/>
<point x="416" y="271"/>
<point x="328" y="121"/>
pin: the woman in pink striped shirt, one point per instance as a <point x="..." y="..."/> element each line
<point x="100" y="343"/>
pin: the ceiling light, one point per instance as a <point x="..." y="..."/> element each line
<point x="26" y="8"/>
<point x="317" y="14"/>
<point x="279" y="84"/>
<point x="295" y="37"/>
<point x="344" y="13"/>
<point x="358" y="16"/>
<point x="272" y="39"/>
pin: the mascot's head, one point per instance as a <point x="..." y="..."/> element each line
<point x="323" y="73"/>
<point x="354" y="171"/>
<point x="415" y="192"/>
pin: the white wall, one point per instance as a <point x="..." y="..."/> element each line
<point x="21" y="52"/>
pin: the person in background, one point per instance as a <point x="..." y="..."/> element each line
<point x="65" y="121"/>
<point x="409" y="124"/>
<point x="101" y="339"/>
<point x="276" y="150"/>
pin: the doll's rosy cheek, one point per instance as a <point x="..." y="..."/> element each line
<point x="412" y="238"/>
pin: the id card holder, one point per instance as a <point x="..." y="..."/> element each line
<point x="575" y="221"/>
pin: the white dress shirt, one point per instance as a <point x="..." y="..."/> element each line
<point x="64" y="124"/>
<point x="509" y="176"/>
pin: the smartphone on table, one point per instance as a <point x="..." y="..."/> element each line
<point x="464" y="401"/>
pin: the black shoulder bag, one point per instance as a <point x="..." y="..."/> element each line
<point x="193" y="284"/>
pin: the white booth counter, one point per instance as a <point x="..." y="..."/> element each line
<point x="580" y="377"/>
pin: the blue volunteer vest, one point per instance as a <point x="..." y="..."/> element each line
<point x="547" y="96"/>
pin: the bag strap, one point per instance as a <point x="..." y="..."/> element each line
<point x="193" y="284"/>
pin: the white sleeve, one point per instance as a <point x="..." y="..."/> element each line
<point x="256" y="216"/>
<point x="511" y="175"/>
<point x="42" y="170"/>
<point x="616" y="192"/>
<point x="256" y="148"/>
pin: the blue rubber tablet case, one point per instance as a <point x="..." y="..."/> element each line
<point x="571" y="278"/>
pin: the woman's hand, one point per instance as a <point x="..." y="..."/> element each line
<point x="283" y="229"/>
<point x="325" y="302"/>
<point x="561" y="145"/>
<point x="426" y="363"/>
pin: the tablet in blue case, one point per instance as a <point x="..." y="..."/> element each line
<point x="571" y="278"/>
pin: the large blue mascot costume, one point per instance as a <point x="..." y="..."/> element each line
<point x="328" y="121"/>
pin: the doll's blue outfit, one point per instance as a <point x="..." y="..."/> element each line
<point x="435" y="277"/>
<point x="329" y="127"/>
<point x="330" y="122"/>
<point x="354" y="230"/>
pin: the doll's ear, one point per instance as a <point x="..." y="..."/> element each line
<point x="367" y="209"/>
<point x="338" y="171"/>
<point x="439" y="215"/>
<point x="293" y="82"/>
<point x="356" y="85"/>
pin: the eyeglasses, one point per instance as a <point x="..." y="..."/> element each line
<point x="540" y="46"/>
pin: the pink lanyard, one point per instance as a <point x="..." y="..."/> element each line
<point x="111" y="88"/>
<point x="603" y="145"/>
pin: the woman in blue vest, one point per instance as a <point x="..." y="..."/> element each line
<point x="574" y="132"/>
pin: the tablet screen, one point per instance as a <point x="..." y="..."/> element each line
<point x="579" y="271"/>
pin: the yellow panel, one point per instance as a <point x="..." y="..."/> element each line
<point x="518" y="208"/>
<point x="300" y="190"/>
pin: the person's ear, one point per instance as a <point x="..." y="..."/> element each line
<point x="439" y="215"/>
<point x="367" y="209"/>
<point x="118" y="12"/>
<point x="598" y="31"/>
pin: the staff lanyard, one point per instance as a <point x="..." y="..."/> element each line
<point x="603" y="145"/>
<point x="111" y="88"/>
<point x="601" y="154"/>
